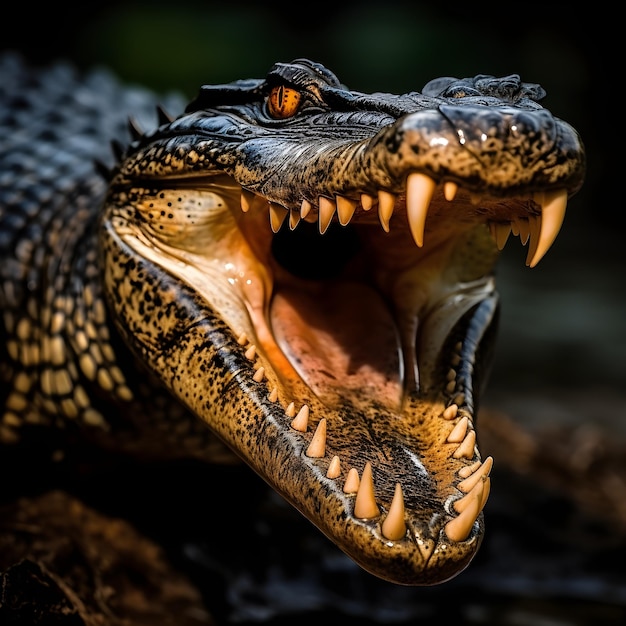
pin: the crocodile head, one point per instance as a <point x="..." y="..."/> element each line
<point x="309" y="270"/>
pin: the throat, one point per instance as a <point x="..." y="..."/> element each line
<point x="342" y="340"/>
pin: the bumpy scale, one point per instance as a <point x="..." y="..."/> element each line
<point x="308" y="270"/>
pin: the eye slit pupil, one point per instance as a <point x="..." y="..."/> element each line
<point x="282" y="97"/>
<point x="283" y="102"/>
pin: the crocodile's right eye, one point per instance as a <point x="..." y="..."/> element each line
<point x="283" y="102"/>
<point x="461" y="92"/>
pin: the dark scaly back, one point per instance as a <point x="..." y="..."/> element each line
<point x="63" y="363"/>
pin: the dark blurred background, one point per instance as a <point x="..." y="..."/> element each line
<point x="560" y="372"/>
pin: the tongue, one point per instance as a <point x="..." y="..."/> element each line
<point x="342" y="341"/>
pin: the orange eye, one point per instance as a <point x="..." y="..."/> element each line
<point x="283" y="102"/>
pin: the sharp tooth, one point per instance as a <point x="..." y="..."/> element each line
<point x="466" y="447"/>
<point x="326" y="212"/>
<point x="394" y="527"/>
<point x="502" y="234"/>
<point x="259" y="375"/>
<point x="367" y="201"/>
<point x="468" y="470"/>
<point x="317" y="447"/>
<point x="242" y="340"/>
<point x="534" y="224"/>
<point x="386" y="204"/>
<point x="476" y="492"/>
<point x="334" y="468"/>
<point x="469" y="483"/>
<point x="449" y="190"/>
<point x="461" y="526"/>
<point x="274" y="394"/>
<point x="419" y="192"/>
<point x="450" y="412"/>
<point x="250" y="353"/>
<point x="524" y="230"/>
<point x="290" y="411"/>
<point x="301" y="421"/>
<point x="486" y="492"/>
<point x="277" y="216"/>
<point x="345" y="209"/>
<point x="365" y="506"/>
<point x="305" y="208"/>
<point x="294" y="218"/>
<point x="552" y="216"/>
<point x="246" y="200"/>
<point x="459" y="431"/>
<point x="352" y="481"/>
<point x="515" y="228"/>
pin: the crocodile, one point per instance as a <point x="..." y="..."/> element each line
<point x="283" y="272"/>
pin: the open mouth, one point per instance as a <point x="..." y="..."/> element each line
<point x="356" y="284"/>
<point x="368" y="329"/>
<point x="331" y="307"/>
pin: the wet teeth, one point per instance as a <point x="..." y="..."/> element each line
<point x="449" y="190"/>
<point x="301" y="421"/>
<point x="394" y="527"/>
<point x="367" y="201"/>
<point x="477" y="492"/>
<point x="469" y="483"/>
<point x="317" y="447"/>
<point x="553" y="208"/>
<point x="294" y="218"/>
<point x="466" y="447"/>
<point x="305" y="208"/>
<point x="534" y="224"/>
<point x="467" y="470"/>
<point x="486" y="492"/>
<point x="365" y="506"/>
<point x="450" y="412"/>
<point x="334" y="469"/>
<point x="352" y="481"/>
<point x="461" y="526"/>
<point x="419" y="192"/>
<point x="459" y="432"/>
<point x="277" y="216"/>
<point x="524" y="230"/>
<point x="246" y="200"/>
<point x="502" y="234"/>
<point x="326" y="211"/>
<point x="345" y="209"/>
<point x="386" y="204"/>
<point x="539" y="230"/>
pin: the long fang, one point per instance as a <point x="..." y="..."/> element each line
<point x="394" y="527"/>
<point x="365" y="506"/>
<point x="419" y="192"/>
<point x="317" y="447"/>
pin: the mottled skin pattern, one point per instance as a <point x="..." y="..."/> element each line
<point x="138" y="315"/>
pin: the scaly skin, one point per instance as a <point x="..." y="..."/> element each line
<point x="347" y="334"/>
